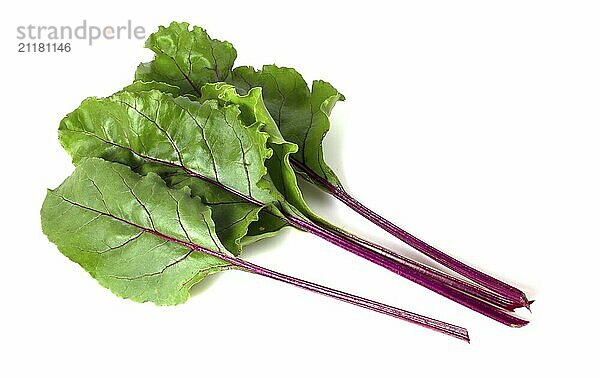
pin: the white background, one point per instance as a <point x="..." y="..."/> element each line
<point x="472" y="124"/>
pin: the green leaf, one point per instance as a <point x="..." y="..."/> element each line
<point x="186" y="58"/>
<point x="130" y="232"/>
<point x="253" y="109"/>
<point x="208" y="144"/>
<point x="302" y="115"/>
<point x="145" y="86"/>
<point x="238" y="222"/>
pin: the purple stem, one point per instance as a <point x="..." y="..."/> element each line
<point x="424" y="321"/>
<point x="433" y="324"/>
<point x="411" y="273"/>
<point x="396" y="265"/>
<point x="434" y="274"/>
<point x="258" y="203"/>
<point x="436" y="325"/>
<point x="502" y="288"/>
<point x="250" y="199"/>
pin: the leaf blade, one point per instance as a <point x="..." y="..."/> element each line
<point x="137" y="221"/>
<point x="189" y="58"/>
<point x="152" y="131"/>
<point x="301" y="114"/>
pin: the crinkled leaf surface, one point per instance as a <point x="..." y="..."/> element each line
<point x="238" y="222"/>
<point x="204" y="143"/>
<point x="145" y="86"/>
<point x="253" y="109"/>
<point x="187" y="58"/>
<point x="302" y="115"/>
<point x="123" y="229"/>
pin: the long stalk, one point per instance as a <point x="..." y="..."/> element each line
<point x="487" y="281"/>
<point x="424" y="321"/>
<point x="412" y="274"/>
<point x="433" y="324"/>
<point x="457" y="283"/>
<point x="436" y="325"/>
<point x="467" y="299"/>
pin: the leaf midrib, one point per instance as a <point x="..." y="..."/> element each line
<point x="174" y="165"/>
<point x="220" y="254"/>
